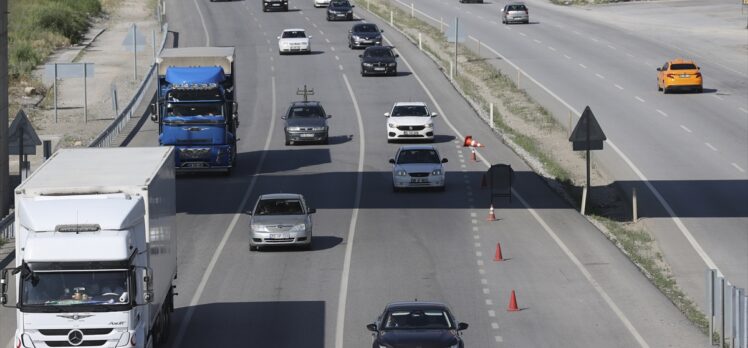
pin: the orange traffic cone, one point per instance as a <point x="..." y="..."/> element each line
<point x="483" y="182"/>
<point x="468" y="141"/>
<point x="513" y="303"/>
<point x="491" y="214"/>
<point x="498" y="256"/>
<point x="472" y="155"/>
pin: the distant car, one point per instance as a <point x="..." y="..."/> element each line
<point x="417" y="166"/>
<point x="306" y="121"/>
<point x="294" y="41"/>
<point x="340" y="10"/>
<point x="280" y="219"/>
<point x="364" y="34"/>
<point x="410" y="121"/>
<point x="679" y="74"/>
<point x="417" y="324"/>
<point x="274" y="5"/>
<point x="476" y="1"/>
<point x="321" y="3"/>
<point x="378" y="60"/>
<point x="515" y="12"/>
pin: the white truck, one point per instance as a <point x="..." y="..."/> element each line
<point x="96" y="245"/>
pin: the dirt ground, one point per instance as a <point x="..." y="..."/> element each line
<point x="113" y="68"/>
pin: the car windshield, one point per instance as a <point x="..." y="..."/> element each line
<point x="76" y="288"/>
<point x="378" y="53"/>
<point x="516" y="8"/>
<point x="417" y="319"/>
<point x="418" y="156"/>
<point x="410" y="110"/>
<point x="339" y="3"/>
<point x="293" y="34"/>
<point x="683" y="66"/>
<point x="305" y="112"/>
<point x="279" y="207"/>
<point x="204" y="109"/>
<point x="366" y="28"/>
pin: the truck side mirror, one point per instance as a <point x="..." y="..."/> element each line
<point x="312" y="210"/>
<point x="433" y="114"/>
<point x="386" y="114"/>
<point x="4" y="287"/>
<point x="372" y="327"/>
<point x="154" y="113"/>
<point x="147" y="285"/>
<point x="235" y="106"/>
<point x="462" y="326"/>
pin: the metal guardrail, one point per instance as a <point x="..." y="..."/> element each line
<point x="727" y="312"/>
<point x="107" y="136"/>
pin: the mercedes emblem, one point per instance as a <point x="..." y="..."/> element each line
<point x="75" y="337"/>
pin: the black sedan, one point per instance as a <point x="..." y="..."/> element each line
<point x="417" y="324"/>
<point x="339" y="10"/>
<point x="364" y="34"/>
<point x="378" y="60"/>
<point x="306" y="121"/>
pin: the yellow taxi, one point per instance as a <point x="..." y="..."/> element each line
<point x="679" y="74"/>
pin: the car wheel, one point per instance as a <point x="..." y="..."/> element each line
<point x="252" y="247"/>
<point x="394" y="72"/>
<point x="389" y="141"/>
<point x="363" y="73"/>
<point x="264" y="9"/>
<point x="326" y="141"/>
<point x="659" y="89"/>
<point x="441" y="188"/>
<point x="665" y="90"/>
<point x="396" y="189"/>
<point x="288" y="142"/>
<point x="700" y="90"/>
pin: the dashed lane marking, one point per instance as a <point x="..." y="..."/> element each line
<point x="639" y="98"/>
<point x="744" y="110"/>
<point x="738" y="167"/>
<point x="710" y="146"/>
<point x="599" y="76"/>
<point x="718" y="97"/>
<point x="551" y="48"/>
<point x="492" y="313"/>
<point x="566" y="56"/>
<point x="340" y="67"/>
<point x="489" y="302"/>
<point x="663" y="113"/>
<point x="611" y="47"/>
<point x="583" y="66"/>
<point x="523" y="34"/>
<point x="486" y="291"/>
<point x="619" y="87"/>
<point x="495" y="326"/>
<point x="537" y="41"/>
<point x="327" y="40"/>
<point x="686" y="129"/>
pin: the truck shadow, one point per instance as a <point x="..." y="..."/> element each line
<point x="289" y="324"/>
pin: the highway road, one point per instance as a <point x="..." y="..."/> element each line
<point x="372" y="246"/>
<point x="686" y="154"/>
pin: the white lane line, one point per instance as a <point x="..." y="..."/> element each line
<point x="617" y="86"/>
<point x="314" y="25"/>
<point x="583" y="66"/>
<point x="479" y="262"/>
<point x="710" y="146"/>
<point x="202" y="20"/>
<point x="473" y="215"/>
<point x="321" y="32"/>
<point x="537" y="41"/>
<point x="474" y="221"/>
<point x="337" y="58"/>
<point x="489" y="302"/>
<point x="566" y="56"/>
<point x="478" y="254"/>
<point x="468" y="12"/>
<point x="611" y="47"/>
<point x="484" y="281"/>
<point x="639" y="98"/>
<point x="495" y="326"/>
<point x="480" y="17"/>
<point x="744" y="110"/>
<point x="475" y="229"/>
<point x="663" y="113"/>
<point x="523" y="34"/>
<point x="551" y="48"/>
<point x="594" y="39"/>
<point x="268" y="41"/>
<point x="600" y="76"/>
<point x="307" y="18"/>
<point x="718" y="97"/>
<point x="498" y="339"/>
<point x="481" y="271"/>
<point x="332" y="48"/>
<point x="477" y="244"/>
<point x="630" y="55"/>
<point x="340" y="66"/>
<point x="621" y="316"/>
<point x="343" y="294"/>
<point x="686" y="129"/>
<point x="327" y="40"/>
<point x="240" y="212"/>
<point x="494" y="22"/>
<point x="576" y="32"/>
<point x="272" y="68"/>
<point x="492" y="313"/>
<point x="738" y="167"/>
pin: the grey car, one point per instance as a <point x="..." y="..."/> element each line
<point x="515" y="12"/>
<point x="280" y="219"/>
<point x="306" y="121"/>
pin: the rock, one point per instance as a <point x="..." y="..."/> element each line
<point x="78" y="143"/>
<point x="29" y="90"/>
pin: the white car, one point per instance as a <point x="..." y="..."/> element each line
<point x="418" y="166"/>
<point x="410" y="121"/>
<point x="280" y="219"/>
<point x="321" y="3"/>
<point x="293" y="41"/>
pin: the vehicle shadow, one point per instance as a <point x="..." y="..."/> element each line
<point x="255" y="324"/>
<point x="340" y="139"/>
<point x="318" y="243"/>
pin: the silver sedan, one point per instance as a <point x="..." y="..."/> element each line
<point x="280" y="219"/>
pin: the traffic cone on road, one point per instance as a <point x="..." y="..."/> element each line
<point x="498" y="256"/>
<point x="513" y="303"/>
<point x="491" y="214"/>
<point x="468" y="141"/>
<point x="474" y="143"/>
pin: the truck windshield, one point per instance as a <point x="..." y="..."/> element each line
<point x="76" y="288"/>
<point x="181" y="113"/>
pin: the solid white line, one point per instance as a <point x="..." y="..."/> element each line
<point x="619" y="87"/>
<point x="217" y="253"/>
<point x="686" y="129"/>
<point x="639" y="98"/>
<point x="551" y="48"/>
<point x="738" y="167"/>
<point x="340" y="67"/>
<point x="611" y="47"/>
<point x="202" y="20"/>
<point x="337" y="58"/>
<point x="583" y="66"/>
<point x="332" y="48"/>
<point x="523" y="34"/>
<point x="537" y="41"/>
<point x="744" y="110"/>
<point x="661" y="112"/>
<point x="711" y="147"/>
<point x="590" y="279"/>
<point x="600" y="76"/>
<point x="566" y="56"/>
<point x="327" y="40"/>
<point x="343" y="293"/>
<point x="594" y="39"/>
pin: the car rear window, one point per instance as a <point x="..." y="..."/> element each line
<point x="517" y="8"/>
<point x="279" y="207"/>
<point x="683" y="66"/>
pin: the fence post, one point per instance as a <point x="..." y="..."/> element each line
<point x="420" y="46"/>
<point x="441" y="24"/>
<point x="722" y="284"/>
<point x="85" y="93"/>
<point x="451" y="68"/>
<point x="412" y="10"/>
<point x="391" y="20"/>
<point x="584" y="200"/>
<point x="490" y="114"/>
<point x="634" y="205"/>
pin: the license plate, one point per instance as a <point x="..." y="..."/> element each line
<point x="196" y="165"/>
<point x="684" y="75"/>
<point x="410" y="132"/>
<point x="378" y="69"/>
<point x="418" y="180"/>
<point x="306" y="135"/>
<point x="278" y="236"/>
<point x="276" y="4"/>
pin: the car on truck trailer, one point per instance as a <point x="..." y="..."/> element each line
<point x="96" y="244"/>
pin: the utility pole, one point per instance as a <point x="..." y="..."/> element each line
<point x="4" y="158"/>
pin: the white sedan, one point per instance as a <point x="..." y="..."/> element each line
<point x="418" y="166"/>
<point x="410" y="121"/>
<point x="321" y="3"/>
<point x="293" y="41"/>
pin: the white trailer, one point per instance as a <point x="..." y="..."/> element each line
<point x="96" y="245"/>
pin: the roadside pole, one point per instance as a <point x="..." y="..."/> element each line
<point x="4" y="167"/>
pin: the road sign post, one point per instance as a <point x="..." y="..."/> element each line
<point x="587" y="135"/>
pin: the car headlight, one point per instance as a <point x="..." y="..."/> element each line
<point x="298" y="228"/>
<point x="367" y="64"/>
<point x="436" y="172"/>
<point x="391" y="125"/>
<point x="401" y="172"/>
<point x="294" y="129"/>
<point x="318" y="129"/>
<point x="259" y="228"/>
<point x="430" y="125"/>
<point x="356" y="37"/>
<point x="392" y="64"/>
